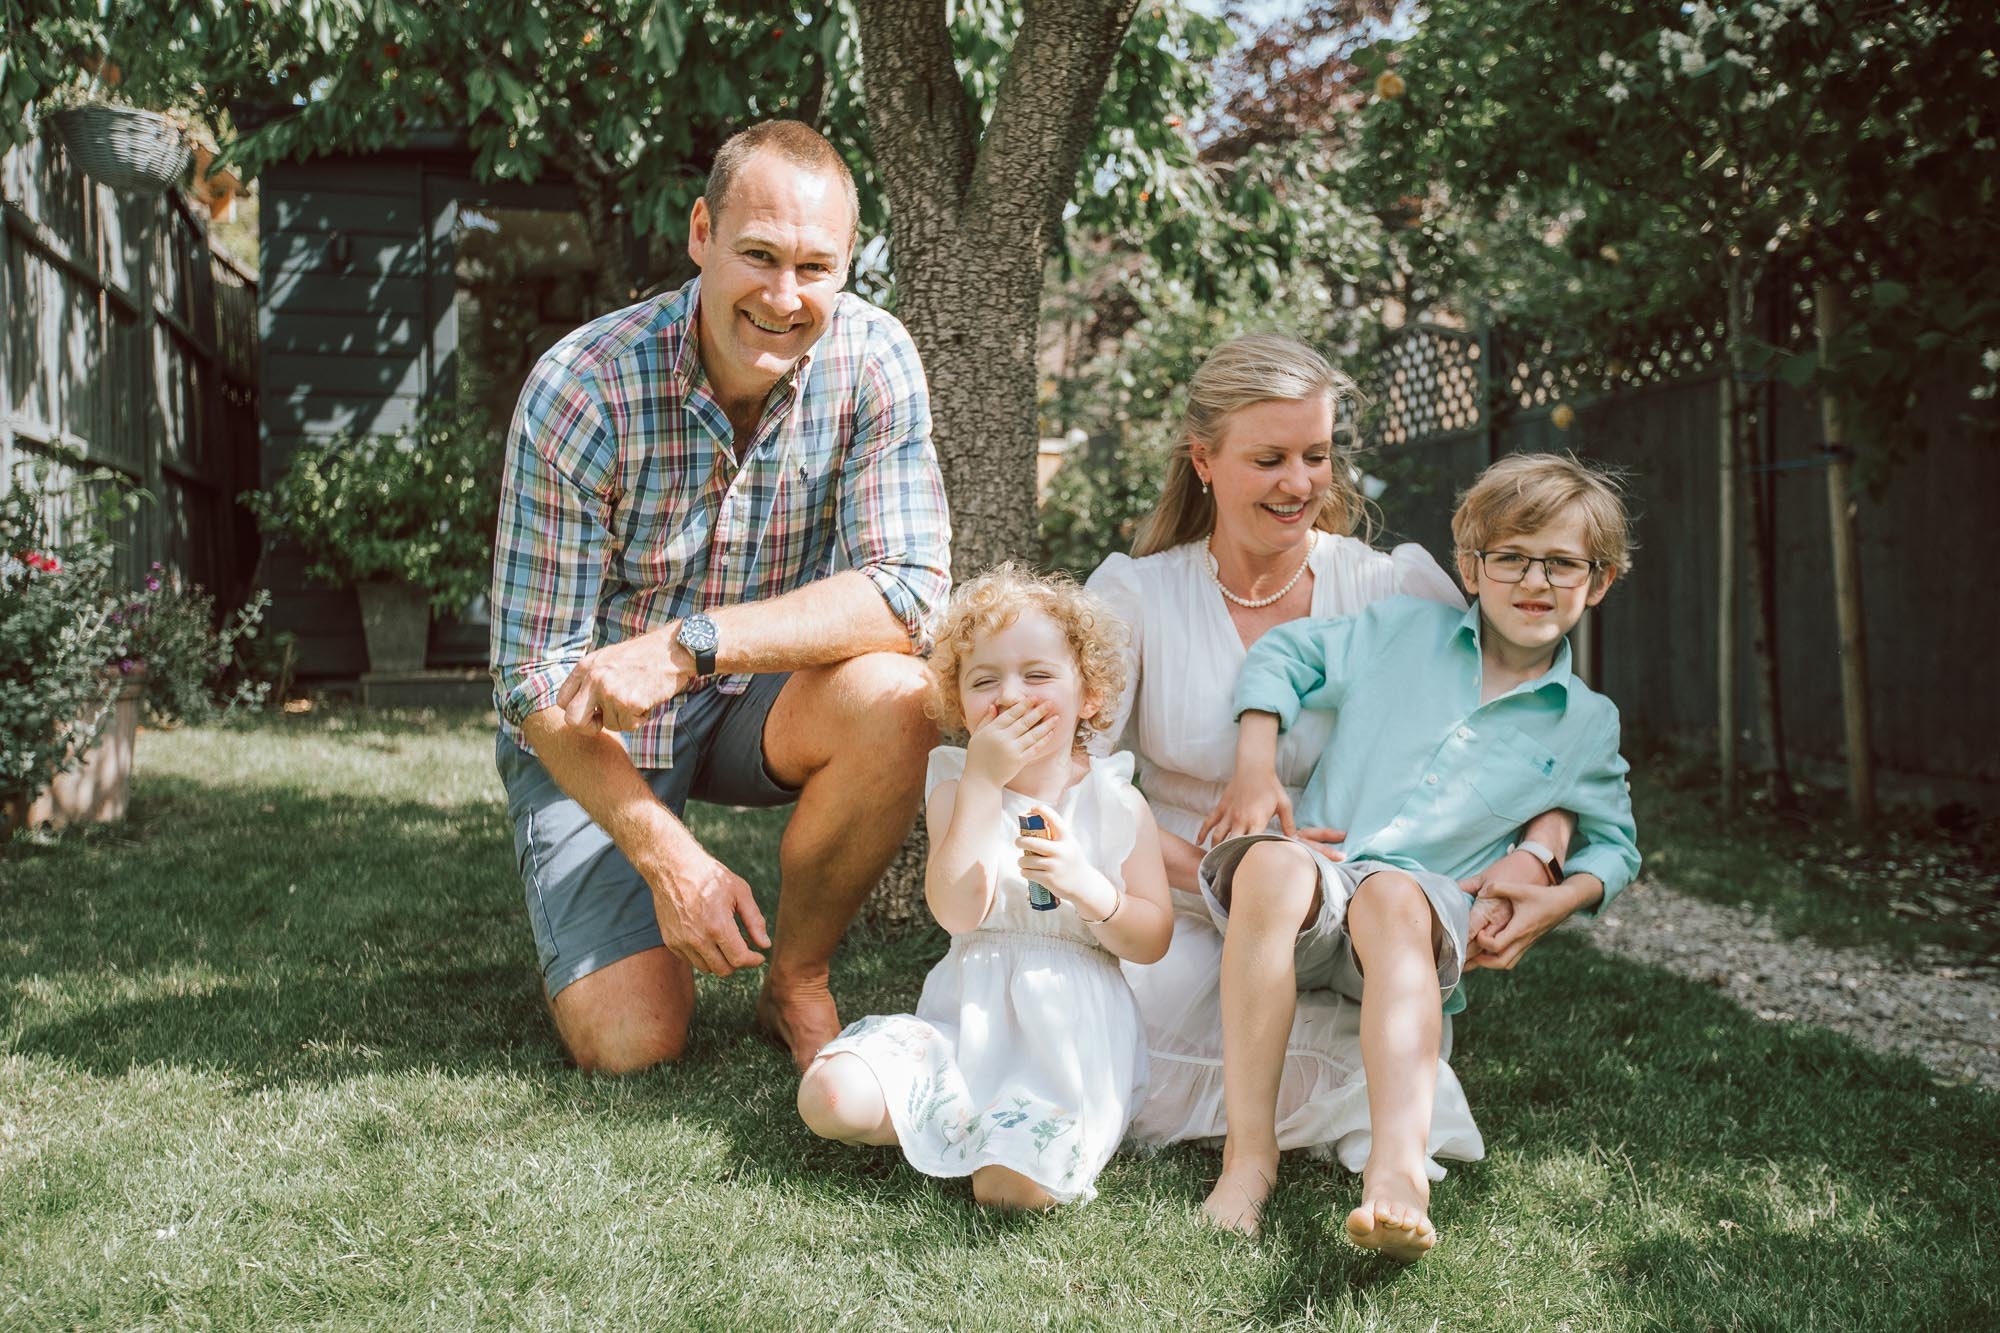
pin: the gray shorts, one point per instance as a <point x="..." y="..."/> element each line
<point x="1323" y="954"/>
<point x="588" y="906"/>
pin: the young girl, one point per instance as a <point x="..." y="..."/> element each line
<point x="1025" y="1059"/>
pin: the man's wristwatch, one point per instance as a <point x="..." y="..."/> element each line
<point x="697" y="635"/>
<point x="1542" y="854"/>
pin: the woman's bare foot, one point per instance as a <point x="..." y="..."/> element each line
<point x="1394" y="1216"/>
<point x="1237" y="1201"/>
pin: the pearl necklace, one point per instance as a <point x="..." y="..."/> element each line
<point x="1215" y="574"/>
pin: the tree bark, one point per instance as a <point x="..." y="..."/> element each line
<point x="1846" y="575"/>
<point x="971" y="221"/>
<point x="1754" y="485"/>
<point x="972" y="218"/>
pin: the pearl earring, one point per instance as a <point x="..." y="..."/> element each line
<point x="1204" y="486"/>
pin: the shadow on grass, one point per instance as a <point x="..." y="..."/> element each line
<point x="278" y="936"/>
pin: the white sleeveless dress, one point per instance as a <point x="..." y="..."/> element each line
<point x="1026" y="1050"/>
<point x="1182" y="661"/>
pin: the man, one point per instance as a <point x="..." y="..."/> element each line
<point x="722" y="535"/>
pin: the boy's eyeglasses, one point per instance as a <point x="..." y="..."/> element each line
<point x="1562" y="571"/>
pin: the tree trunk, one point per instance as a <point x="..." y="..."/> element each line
<point x="971" y="222"/>
<point x="1754" y="484"/>
<point x="596" y="195"/>
<point x="1725" y="571"/>
<point x="1846" y="575"/>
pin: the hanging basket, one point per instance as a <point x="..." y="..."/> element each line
<point x="136" y="152"/>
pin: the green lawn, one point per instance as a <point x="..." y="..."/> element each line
<point x="272" y="1054"/>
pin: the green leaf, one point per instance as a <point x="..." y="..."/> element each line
<point x="1889" y="295"/>
<point x="1798" y="369"/>
<point x="665" y="34"/>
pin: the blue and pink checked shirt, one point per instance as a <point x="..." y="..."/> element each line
<point x="624" y="505"/>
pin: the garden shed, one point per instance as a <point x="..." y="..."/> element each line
<point x="392" y="279"/>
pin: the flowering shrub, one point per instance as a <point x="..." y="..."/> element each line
<point x="417" y="505"/>
<point x="69" y="635"/>
<point x="56" y="634"/>
<point x="168" y="631"/>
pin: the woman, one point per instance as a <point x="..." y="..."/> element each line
<point x="1254" y="528"/>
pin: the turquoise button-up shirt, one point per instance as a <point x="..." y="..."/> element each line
<point x="1420" y="773"/>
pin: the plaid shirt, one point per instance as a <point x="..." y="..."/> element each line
<point x="624" y="506"/>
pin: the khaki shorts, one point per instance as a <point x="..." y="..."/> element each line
<point x="1323" y="954"/>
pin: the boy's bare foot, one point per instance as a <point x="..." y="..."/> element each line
<point x="1237" y="1201"/>
<point x="1488" y="914"/>
<point x="1393" y="1217"/>
<point x="801" y="1018"/>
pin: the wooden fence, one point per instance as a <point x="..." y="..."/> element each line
<point x="1447" y="401"/>
<point x="128" y="344"/>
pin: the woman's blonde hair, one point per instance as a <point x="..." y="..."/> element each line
<point x="995" y="600"/>
<point x="1524" y="493"/>
<point x="1255" y="368"/>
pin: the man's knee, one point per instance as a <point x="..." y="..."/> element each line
<point x="625" y="1049"/>
<point x="876" y="688"/>
<point x="629" y="1016"/>
<point x="872" y="705"/>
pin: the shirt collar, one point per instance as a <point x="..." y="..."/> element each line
<point x="1559" y="673"/>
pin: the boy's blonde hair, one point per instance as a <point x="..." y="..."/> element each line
<point x="995" y="600"/>
<point x="1243" y="372"/>
<point x="1526" y="492"/>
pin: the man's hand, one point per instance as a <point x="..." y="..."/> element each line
<point x="618" y="686"/>
<point x="699" y="905"/>
<point x="1009" y="741"/>
<point x="1057" y="863"/>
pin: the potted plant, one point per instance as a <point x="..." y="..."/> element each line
<point x="129" y="148"/>
<point x="80" y="657"/>
<point x="405" y="518"/>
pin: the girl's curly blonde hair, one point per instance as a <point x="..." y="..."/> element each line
<point x="995" y="600"/>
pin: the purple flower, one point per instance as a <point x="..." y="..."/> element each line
<point x="153" y="585"/>
<point x="125" y="665"/>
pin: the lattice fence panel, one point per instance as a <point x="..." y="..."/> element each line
<point x="1430" y="383"/>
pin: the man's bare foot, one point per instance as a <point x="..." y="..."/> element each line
<point x="1393" y="1217"/>
<point x="801" y="1018"/>
<point x="1237" y="1201"/>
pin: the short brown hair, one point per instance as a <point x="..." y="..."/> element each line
<point x="1525" y="492"/>
<point x="797" y="143"/>
<point x="995" y="600"/>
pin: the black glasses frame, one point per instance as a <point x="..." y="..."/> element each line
<point x="1590" y="568"/>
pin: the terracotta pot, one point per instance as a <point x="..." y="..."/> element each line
<point x="96" y="791"/>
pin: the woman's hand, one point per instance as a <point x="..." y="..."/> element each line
<point x="1326" y="841"/>
<point x="1536" y="910"/>
<point x="1009" y="741"/>
<point x="1056" y="862"/>
<point x="1247" y="805"/>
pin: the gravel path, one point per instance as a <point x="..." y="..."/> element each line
<point x="1946" y="1015"/>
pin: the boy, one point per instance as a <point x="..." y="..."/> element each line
<point x="1455" y="729"/>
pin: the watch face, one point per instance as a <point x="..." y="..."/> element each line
<point x="697" y="634"/>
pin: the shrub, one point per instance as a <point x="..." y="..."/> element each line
<point x="416" y="504"/>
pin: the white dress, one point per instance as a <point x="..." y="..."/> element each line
<point x="1175" y="715"/>
<point x="1026" y="1050"/>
